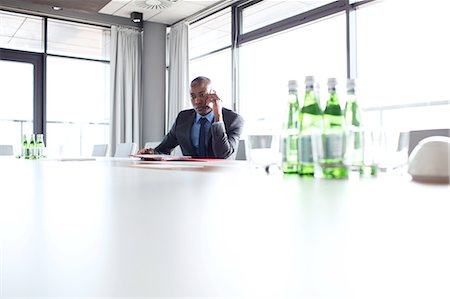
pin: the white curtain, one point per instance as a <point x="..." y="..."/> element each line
<point x="126" y="86"/>
<point x="178" y="71"/>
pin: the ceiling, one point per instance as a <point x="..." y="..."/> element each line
<point x="167" y="12"/>
<point x="158" y="11"/>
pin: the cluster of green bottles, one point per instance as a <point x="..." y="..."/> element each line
<point x="34" y="148"/>
<point x="335" y="152"/>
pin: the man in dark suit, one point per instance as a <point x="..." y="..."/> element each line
<point x="207" y="131"/>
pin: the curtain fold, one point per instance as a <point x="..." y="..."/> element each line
<point x="178" y="71"/>
<point x="126" y="86"/>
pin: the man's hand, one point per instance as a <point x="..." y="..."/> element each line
<point x="215" y="103"/>
<point x="146" y="151"/>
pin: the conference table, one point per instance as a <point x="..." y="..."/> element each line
<point x="126" y="228"/>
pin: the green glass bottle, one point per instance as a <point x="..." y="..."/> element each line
<point x="333" y="137"/>
<point x="40" y="146"/>
<point x="310" y="124"/>
<point x="25" y="149"/>
<point x="355" y="134"/>
<point x="32" y="147"/>
<point x="291" y="128"/>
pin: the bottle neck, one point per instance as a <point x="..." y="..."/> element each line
<point x="310" y="96"/>
<point x="333" y="99"/>
<point x="293" y="96"/>
<point x="351" y="97"/>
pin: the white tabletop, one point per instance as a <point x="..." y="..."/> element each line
<point x="128" y="229"/>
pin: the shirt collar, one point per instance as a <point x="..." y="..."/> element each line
<point x="209" y="117"/>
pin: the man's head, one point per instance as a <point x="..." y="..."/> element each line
<point x="199" y="95"/>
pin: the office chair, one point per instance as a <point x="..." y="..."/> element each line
<point x="6" y="150"/>
<point x="123" y="150"/>
<point x="240" y="153"/>
<point x="99" y="150"/>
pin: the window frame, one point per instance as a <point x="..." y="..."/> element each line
<point x="39" y="84"/>
<point x="39" y="60"/>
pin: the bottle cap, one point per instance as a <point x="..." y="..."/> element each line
<point x="309" y="80"/>
<point x="292" y="84"/>
<point x="350" y="83"/>
<point x="332" y="82"/>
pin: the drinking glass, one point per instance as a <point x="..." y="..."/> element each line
<point x="263" y="150"/>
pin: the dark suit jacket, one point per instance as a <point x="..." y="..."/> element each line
<point x="223" y="139"/>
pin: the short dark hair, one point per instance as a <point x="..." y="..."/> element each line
<point x="199" y="80"/>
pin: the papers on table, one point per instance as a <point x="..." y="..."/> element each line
<point x="149" y="157"/>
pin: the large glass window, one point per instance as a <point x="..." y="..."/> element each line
<point x="78" y="40"/>
<point x="400" y="64"/>
<point x="21" y="32"/>
<point x="217" y="68"/>
<point x="210" y="53"/>
<point x="16" y="101"/>
<point x="78" y="105"/>
<point x="267" y="12"/>
<point x="210" y="34"/>
<point x="403" y="63"/>
<point x="318" y="49"/>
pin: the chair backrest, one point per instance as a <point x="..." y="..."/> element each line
<point x="125" y="149"/>
<point x="240" y="154"/>
<point x="6" y="150"/>
<point x="416" y="136"/>
<point x="151" y="144"/>
<point x="99" y="150"/>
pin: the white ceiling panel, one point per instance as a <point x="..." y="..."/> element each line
<point x="113" y="6"/>
<point x="166" y="18"/>
<point x="177" y="10"/>
<point x="160" y="11"/>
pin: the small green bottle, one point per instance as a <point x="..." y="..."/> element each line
<point x="32" y="147"/>
<point x="310" y="124"/>
<point x="40" y="146"/>
<point x="333" y="137"/>
<point x="353" y="124"/>
<point x="25" y="149"/>
<point x="291" y="128"/>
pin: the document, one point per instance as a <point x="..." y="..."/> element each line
<point x="148" y="157"/>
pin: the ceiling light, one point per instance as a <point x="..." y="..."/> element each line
<point x="56" y="7"/>
<point x="136" y="17"/>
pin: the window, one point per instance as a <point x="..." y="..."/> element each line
<point x="210" y="34"/>
<point x="210" y="54"/>
<point x="216" y="67"/>
<point x="266" y="65"/>
<point x="400" y="63"/>
<point x="268" y="12"/>
<point x="16" y="101"/>
<point x="21" y="32"/>
<point x="77" y="101"/>
<point x="403" y="66"/>
<point x="78" y="40"/>
<point x="78" y="105"/>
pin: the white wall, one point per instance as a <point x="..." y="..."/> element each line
<point x="154" y="81"/>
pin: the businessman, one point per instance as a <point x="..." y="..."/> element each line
<point x="206" y="131"/>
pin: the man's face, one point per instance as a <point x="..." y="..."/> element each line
<point x="199" y="97"/>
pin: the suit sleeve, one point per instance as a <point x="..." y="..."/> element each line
<point x="169" y="141"/>
<point x="225" y="139"/>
